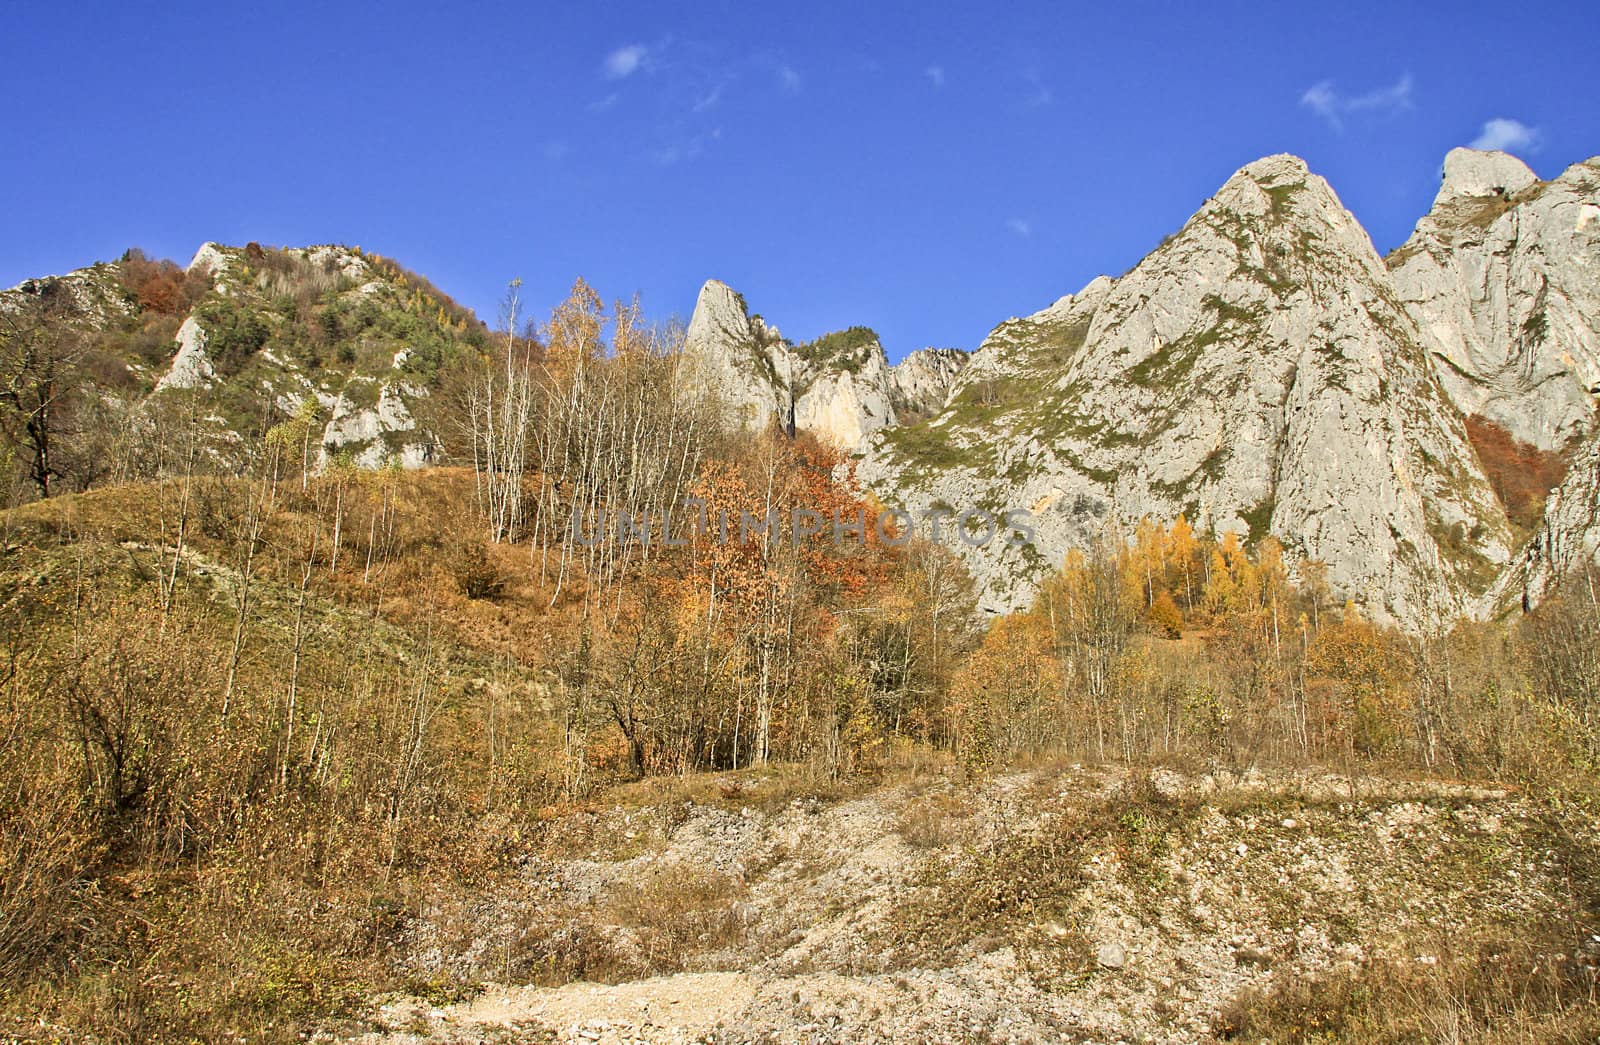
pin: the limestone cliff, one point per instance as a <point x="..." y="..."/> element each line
<point x="739" y="359"/>
<point x="1256" y="373"/>
<point x="1504" y="275"/>
<point x="839" y="387"/>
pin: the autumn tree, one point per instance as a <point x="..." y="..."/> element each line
<point x="40" y="389"/>
<point x="1357" y="670"/>
<point x="1092" y="615"/>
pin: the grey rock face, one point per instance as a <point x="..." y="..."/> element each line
<point x="842" y="399"/>
<point x="920" y="383"/>
<point x="1256" y="373"/>
<point x="1504" y="275"/>
<point x="739" y="359"/>
<point x="1568" y="539"/>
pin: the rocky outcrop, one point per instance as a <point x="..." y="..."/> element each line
<point x="739" y="360"/>
<point x="845" y="399"/>
<point x="840" y="387"/>
<point x="1504" y="275"/>
<point x="1256" y="373"/>
<point x="210" y="260"/>
<point x="376" y="434"/>
<point x="1473" y="174"/>
<point x="1566" y="542"/>
<point x="191" y="367"/>
<point x="920" y="383"/>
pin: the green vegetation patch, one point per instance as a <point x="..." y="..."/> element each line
<point x="845" y="350"/>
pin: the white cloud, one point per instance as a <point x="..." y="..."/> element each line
<point x="709" y="99"/>
<point x="625" y="61"/>
<point x="1021" y="226"/>
<point x="1507" y="135"/>
<point x="1324" y="100"/>
<point x="935" y="75"/>
<point x="788" y="79"/>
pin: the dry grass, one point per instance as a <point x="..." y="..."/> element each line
<point x="168" y="874"/>
<point x="935" y="820"/>
<point x="1507" y="990"/>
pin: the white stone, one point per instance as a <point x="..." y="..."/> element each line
<point x="191" y="367"/>
<point x="1111" y="956"/>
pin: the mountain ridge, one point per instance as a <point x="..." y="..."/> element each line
<point x="1262" y="371"/>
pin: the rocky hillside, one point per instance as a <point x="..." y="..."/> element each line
<point x="839" y="387"/>
<point x="1076" y="905"/>
<point x="1502" y="274"/>
<point x="1263" y="371"/>
<point x="252" y="334"/>
<point x="1566" y="542"/>
<point x="1256" y="373"/>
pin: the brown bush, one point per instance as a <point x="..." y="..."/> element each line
<point x="475" y="572"/>
<point x="1521" y="474"/>
<point x="160" y="286"/>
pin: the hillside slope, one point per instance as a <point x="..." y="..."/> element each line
<point x="245" y="336"/>
<point x="1052" y="906"/>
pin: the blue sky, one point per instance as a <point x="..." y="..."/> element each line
<point x="924" y="169"/>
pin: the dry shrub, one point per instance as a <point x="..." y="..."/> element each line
<point x="1492" y="991"/>
<point x="474" y="570"/>
<point x="1521" y="474"/>
<point x="638" y="927"/>
<point x="933" y="821"/>
<point x="47" y="853"/>
<point x="677" y="911"/>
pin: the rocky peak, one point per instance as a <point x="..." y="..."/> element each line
<point x="1474" y="172"/>
<point x="720" y="317"/>
<point x="839" y="387"/>
<point x="1244" y="189"/>
<point x="209" y="259"/>
<point x="1255" y="373"/>
<point x="1500" y="273"/>
<point x="740" y="359"/>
